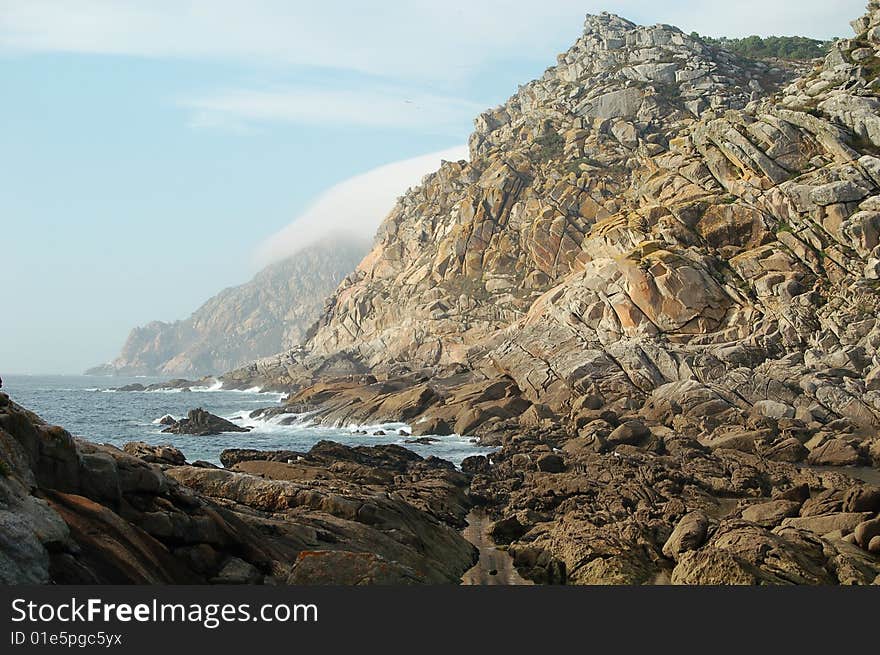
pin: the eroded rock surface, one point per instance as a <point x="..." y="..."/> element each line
<point x="656" y="286"/>
<point x="74" y="512"/>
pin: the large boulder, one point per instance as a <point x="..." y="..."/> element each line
<point x="201" y="423"/>
<point x="689" y="534"/>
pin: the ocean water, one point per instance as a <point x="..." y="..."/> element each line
<point x="88" y="407"/>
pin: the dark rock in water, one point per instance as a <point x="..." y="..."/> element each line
<point x="425" y="441"/>
<point x="132" y="387"/>
<point x="386" y="456"/>
<point x="201" y="423"/>
<point x="167" y="420"/>
<point x="163" y="454"/>
<point x="177" y="383"/>
<point x="403" y="433"/>
<point x="439" y="462"/>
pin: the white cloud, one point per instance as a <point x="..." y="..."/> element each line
<point x="422" y="39"/>
<point x="368" y="107"/>
<point x="356" y="206"/>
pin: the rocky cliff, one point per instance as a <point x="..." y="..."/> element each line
<point x="655" y="286"/>
<point x="652" y="210"/>
<point x="268" y="314"/>
<point x="554" y="169"/>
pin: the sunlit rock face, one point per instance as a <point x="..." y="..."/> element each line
<point x="651" y="209"/>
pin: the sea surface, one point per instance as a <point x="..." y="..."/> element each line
<point x="89" y="407"/>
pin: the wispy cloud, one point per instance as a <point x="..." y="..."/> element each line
<point x="355" y="206"/>
<point x="413" y="39"/>
<point x="364" y="107"/>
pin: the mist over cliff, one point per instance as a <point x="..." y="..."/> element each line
<point x="268" y="314"/>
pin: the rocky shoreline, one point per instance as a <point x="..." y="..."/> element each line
<point x="654" y="288"/>
<point x="75" y="512"/>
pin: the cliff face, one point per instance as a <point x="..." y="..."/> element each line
<point x="656" y="287"/>
<point x="472" y="249"/>
<point x="651" y="210"/>
<point x="264" y="316"/>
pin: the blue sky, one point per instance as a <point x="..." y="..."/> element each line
<point x="149" y="148"/>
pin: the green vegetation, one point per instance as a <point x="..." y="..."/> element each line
<point x="799" y="48"/>
<point x="550" y="145"/>
<point x="574" y="166"/>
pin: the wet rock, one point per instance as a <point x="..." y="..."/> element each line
<point x="475" y="464"/>
<point x="425" y="441"/>
<point x="201" y="423"/>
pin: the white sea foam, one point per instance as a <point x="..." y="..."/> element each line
<point x="158" y="421"/>
<point x="216" y="385"/>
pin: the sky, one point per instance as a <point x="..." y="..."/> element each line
<point x="153" y="152"/>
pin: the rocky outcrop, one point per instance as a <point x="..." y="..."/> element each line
<point x="201" y="423"/>
<point x="552" y="186"/>
<point x="73" y="512"/>
<point x="655" y="286"/>
<point x="268" y="314"/>
<point x="642" y="215"/>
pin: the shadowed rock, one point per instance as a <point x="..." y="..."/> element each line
<point x="201" y="423"/>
